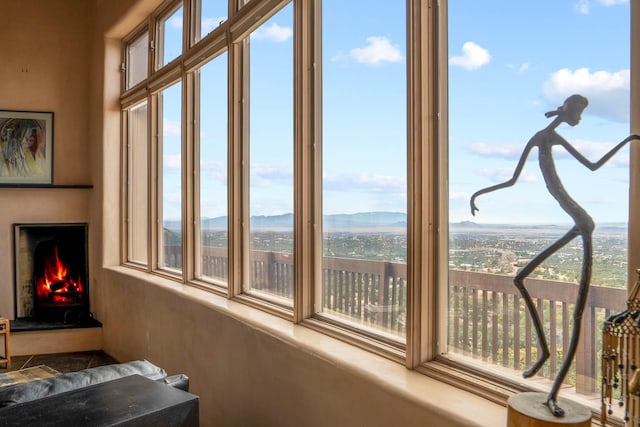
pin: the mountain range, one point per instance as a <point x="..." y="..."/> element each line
<point x="391" y="222"/>
<point x="374" y="221"/>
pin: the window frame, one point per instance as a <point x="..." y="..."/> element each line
<point x="127" y="201"/>
<point x="249" y="141"/>
<point x="451" y="370"/>
<point x="427" y="228"/>
<point x="160" y="18"/>
<point x="198" y="276"/>
<point x="157" y="145"/>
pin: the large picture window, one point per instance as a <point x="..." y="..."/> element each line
<point x="137" y="60"/>
<point x="270" y="146"/>
<point x="499" y="91"/>
<point x="170" y="36"/>
<point x="364" y="157"/>
<point x="208" y="15"/>
<point x="212" y="188"/>
<point x="170" y="171"/>
<point x="138" y="183"/>
<point x="316" y="160"/>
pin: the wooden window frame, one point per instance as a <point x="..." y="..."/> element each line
<point x="427" y="168"/>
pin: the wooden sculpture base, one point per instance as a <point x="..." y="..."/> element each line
<point x="530" y="410"/>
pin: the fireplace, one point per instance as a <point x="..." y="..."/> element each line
<point x="52" y="283"/>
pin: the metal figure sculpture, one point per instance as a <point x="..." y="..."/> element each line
<point x="570" y="112"/>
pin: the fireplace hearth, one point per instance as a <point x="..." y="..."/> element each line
<point x="52" y="283"/>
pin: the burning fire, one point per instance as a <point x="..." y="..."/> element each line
<point x="55" y="284"/>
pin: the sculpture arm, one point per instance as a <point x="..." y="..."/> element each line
<point x="508" y="183"/>
<point x="596" y="165"/>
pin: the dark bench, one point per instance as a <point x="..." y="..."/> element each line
<point x="135" y="393"/>
<point x="129" y="401"/>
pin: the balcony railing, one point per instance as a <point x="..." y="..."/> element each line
<point x="487" y="316"/>
<point x="488" y="320"/>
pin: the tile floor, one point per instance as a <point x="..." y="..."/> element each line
<point x="61" y="362"/>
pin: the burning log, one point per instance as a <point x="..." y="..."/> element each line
<point x="54" y="287"/>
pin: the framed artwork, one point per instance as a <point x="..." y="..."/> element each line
<point x="26" y="148"/>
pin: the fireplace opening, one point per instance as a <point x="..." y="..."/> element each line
<point x="52" y="283"/>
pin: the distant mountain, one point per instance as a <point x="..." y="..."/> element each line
<point x="272" y="221"/>
<point x="373" y="220"/>
<point x="470" y="225"/>
<point x="530" y="229"/>
<point x="259" y="221"/>
<point x="394" y="221"/>
<point x="365" y="220"/>
<point x="215" y="223"/>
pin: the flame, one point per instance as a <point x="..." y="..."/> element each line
<point x="55" y="284"/>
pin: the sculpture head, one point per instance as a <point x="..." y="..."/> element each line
<point x="571" y="110"/>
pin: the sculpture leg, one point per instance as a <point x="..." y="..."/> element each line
<point x="533" y="312"/>
<point x="537" y="325"/>
<point x="581" y="301"/>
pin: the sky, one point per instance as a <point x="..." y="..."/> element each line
<point x="509" y="63"/>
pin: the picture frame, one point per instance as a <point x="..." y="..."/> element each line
<point x="26" y="148"/>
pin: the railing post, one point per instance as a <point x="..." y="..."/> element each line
<point x="271" y="284"/>
<point x="383" y="298"/>
<point x="585" y="355"/>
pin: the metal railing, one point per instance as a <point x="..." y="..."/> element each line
<point x="487" y="316"/>
<point x="488" y="320"/>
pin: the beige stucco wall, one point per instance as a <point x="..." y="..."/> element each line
<point x="248" y="368"/>
<point x="44" y="67"/>
<point x="253" y="369"/>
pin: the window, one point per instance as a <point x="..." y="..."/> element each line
<point x="499" y="90"/>
<point x="170" y="173"/>
<point x="137" y="60"/>
<point x="208" y="15"/>
<point x="212" y="122"/>
<point x="270" y="144"/>
<point x="138" y="183"/>
<point x="169" y="39"/>
<point x="315" y="159"/>
<point x="364" y="157"/>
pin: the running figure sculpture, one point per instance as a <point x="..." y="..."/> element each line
<point x="570" y="112"/>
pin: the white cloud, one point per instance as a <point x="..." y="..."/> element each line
<point x="265" y="176"/>
<point x="459" y="195"/>
<point x="472" y="58"/>
<point x="524" y="67"/>
<point x="365" y="182"/>
<point x="584" y="6"/>
<point x="273" y="33"/>
<point x="172" y="162"/>
<point x="593" y="151"/>
<point x="171" y="127"/>
<point x="520" y="68"/>
<point x="612" y="2"/>
<point x="608" y="93"/>
<point x="505" y="174"/>
<point x="378" y="50"/>
<point x="213" y="169"/>
<point x="504" y="151"/>
<point x="175" y="22"/>
<point x="212" y="165"/>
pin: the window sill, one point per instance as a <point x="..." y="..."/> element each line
<point x="449" y="404"/>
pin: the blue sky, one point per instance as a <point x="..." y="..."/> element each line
<point x="509" y="62"/>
